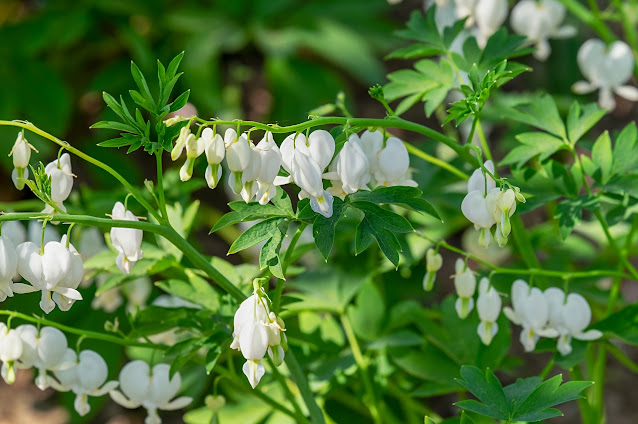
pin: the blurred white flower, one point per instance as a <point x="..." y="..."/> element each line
<point x="180" y="143"/>
<point x="484" y="17"/>
<point x="8" y="266"/>
<point x="569" y="317"/>
<point x="501" y="205"/>
<point x="194" y="149"/>
<point x="530" y="310"/>
<point x="238" y="158"/>
<point x="474" y="205"/>
<point x="10" y="351"/>
<point x="488" y="306"/>
<point x="152" y="389"/>
<point x="433" y="263"/>
<point x="127" y="241"/>
<point x="607" y="69"/>
<point x="465" y="285"/>
<point x="86" y="377"/>
<point x="539" y="21"/>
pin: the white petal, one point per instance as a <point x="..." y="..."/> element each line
<point x="588" y="335"/>
<point x="627" y="92"/>
<point x="583" y="87"/>
<point x="254" y="371"/>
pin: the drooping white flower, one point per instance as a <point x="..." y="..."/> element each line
<point x="256" y="332"/>
<point x="484" y="16"/>
<point x="180" y="143"/>
<point x="152" y="389"/>
<point x="353" y="168"/>
<point x="215" y="153"/>
<point x="569" y="317"/>
<point x="47" y="270"/>
<point x="488" y="306"/>
<point x="270" y="165"/>
<point x="45" y="350"/>
<point x="10" y="351"/>
<point x="607" y="69"/>
<point x="539" y="21"/>
<point x="392" y="165"/>
<point x="108" y="300"/>
<point x="15" y="231"/>
<point x="251" y="174"/>
<point x="434" y="261"/>
<point x="194" y="149"/>
<point x="238" y="158"/>
<point x="137" y="293"/>
<point x="465" y="285"/>
<point x="72" y="279"/>
<point x="501" y="205"/>
<point x="306" y="173"/>
<point x="21" y="153"/>
<point x="127" y="241"/>
<point x="474" y="205"/>
<point x="8" y="266"/>
<point x="86" y="377"/>
<point x="61" y="181"/>
<point x="530" y="310"/>
<point x="371" y="144"/>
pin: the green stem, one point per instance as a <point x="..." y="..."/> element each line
<point x="299" y="415"/>
<point x="622" y="357"/>
<point x="286" y="262"/>
<point x="388" y="122"/>
<point x="299" y="378"/>
<point x="362" y="363"/>
<point x="160" y="185"/>
<point x="136" y="193"/>
<point x="486" y="147"/>
<point x="589" y="18"/>
<point x="436" y="161"/>
<point x="84" y="333"/>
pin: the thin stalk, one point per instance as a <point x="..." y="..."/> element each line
<point x="299" y="415"/>
<point x="362" y="363"/>
<point x="160" y="184"/>
<point x="297" y="374"/>
<point x="136" y="193"/>
<point x="286" y="263"/>
<point x="622" y="357"/>
<point x="436" y="161"/>
<point x="486" y="147"/>
<point x="84" y="333"/>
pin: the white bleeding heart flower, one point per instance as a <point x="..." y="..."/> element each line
<point x="249" y="176"/>
<point x="607" y="69"/>
<point x="238" y="157"/>
<point x="180" y="143"/>
<point x="371" y="144"/>
<point x="270" y="157"/>
<point x="8" y="265"/>
<point x="152" y="389"/>
<point x="474" y="205"/>
<point x="569" y="317"/>
<point x="484" y="17"/>
<point x="445" y="14"/>
<point x="434" y="261"/>
<point x="215" y="150"/>
<point x="15" y="231"/>
<point x="61" y="181"/>
<point x="21" y="153"/>
<point x="47" y="269"/>
<point x="321" y="146"/>
<point x="392" y="164"/>
<point x="86" y="377"/>
<point x="10" y="352"/>
<point x="194" y="149"/>
<point x="108" y="300"/>
<point x="530" y="310"/>
<point x="501" y="205"/>
<point x="256" y="332"/>
<point x="127" y="241"/>
<point x="72" y="279"/>
<point x="353" y="168"/>
<point x="45" y="350"/>
<point x="488" y="306"/>
<point x="306" y="173"/>
<point x="137" y="293"/>
<point x="539" y="21"/>
<point x="465" y="285"/>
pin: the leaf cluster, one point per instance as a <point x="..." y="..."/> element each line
<point x="135" y="128"/>
<point x="528" y="399"/>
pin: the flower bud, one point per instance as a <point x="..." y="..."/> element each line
<point x="180" y="143"/>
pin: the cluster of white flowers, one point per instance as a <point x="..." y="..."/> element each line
<point x="127" y="241"/>
<point x="151" y="388"/>
<point x="488" y="304"/>
<point x="55" y="269"/>
<point x="85" y="374"/>
<point x="363" y="163"/>
<point x="549" y="314"/>
<point x="607" y="68"/>
<point x="258" y="330"/>
<point x="486" y="205"/>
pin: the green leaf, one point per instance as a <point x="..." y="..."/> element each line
<point x="243" y="212"/>
<point x="534" y="144"/>
<point x="581" y="119"/>
<point x="625" y="155"/>
<point x="541" y="113"/>
<point x="196" y="290"/>
<point x="548" y="394"/>
<point x="114" y="125"/>
<point x="487" y="389"/>
<point x="380" y="217"/>
<point x="116" y="142"/>
<point x="256" y="234"/>
<point x="269" y="254"/>
<point x="323" y="228"/>
<point x="622" y="324"/>
<point x="602" y="156"/>
<point x="408" y="197"/>
<point x="180" y="101"/>
<point x="570" y="211"/>
<point x="423" y="29"/>
<point x="386" y="240"/>
<point x="143" y="86"/>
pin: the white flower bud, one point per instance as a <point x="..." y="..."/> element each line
<point x="127" y="241"/>
<point x="180" y="143"/>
